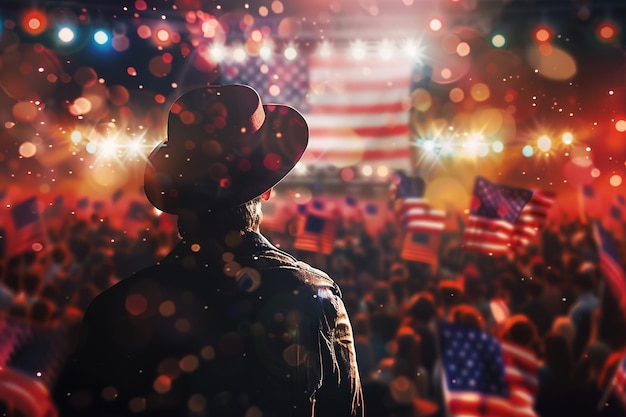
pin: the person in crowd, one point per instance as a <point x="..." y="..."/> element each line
<point x="555" y="376"/>
<point x="226" y="324"/>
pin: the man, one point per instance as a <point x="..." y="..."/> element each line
<point x="226" y="324"/>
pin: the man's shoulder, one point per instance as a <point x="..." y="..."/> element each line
<point x="118" y="293"/>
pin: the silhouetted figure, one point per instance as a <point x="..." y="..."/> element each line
<point x="226" y="324"/>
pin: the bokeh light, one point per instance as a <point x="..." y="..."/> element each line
<point x="101" y="37"/>
<point x="528" y="151"/>
<point x="606" y="31"/>
<point x="544" y="143"/>
<point x="34" y="21"/>
<point x="435" y="24"/>
<point x="66" y="34"/>
<point x="567" y="138"/>
<point x="543" y="34"/>
<point x="498" y="40"/>
<point x="27" y="150"/>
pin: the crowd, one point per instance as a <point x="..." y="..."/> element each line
<point x="549" y="298"/>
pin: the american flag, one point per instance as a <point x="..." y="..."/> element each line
<point x="610" y="264"/>
<point x="414" y="212"/>
<point x="494" y="210"/>
<point x="316" y="230"/>
<point x="27" y="226"/>
<point x="418" y="216"/>
<point x="357" y="110"/>
<point x="420" y="247"/>
<point x="484" y="376"/>
<point x="533" y="217"/>
<point x="618" y="384"/>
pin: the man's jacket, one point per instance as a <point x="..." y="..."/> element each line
<point x="237" y="329"/>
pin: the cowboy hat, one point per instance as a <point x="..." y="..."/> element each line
<point x="223" y="148"/>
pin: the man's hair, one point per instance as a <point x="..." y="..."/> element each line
<point x="243" y="218"/>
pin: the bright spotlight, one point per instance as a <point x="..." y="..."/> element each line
<point x="385" y="50"/>
<point x="429" y="145"/>
<point x="217" y="52"/>
<point x="107" y="148"/>
<point x="567" y="138"/>
<point x="265" y="52"/>
<point x="134" y="147"/>
<point x="413" y="49"/>
<point x="544" y="143"/>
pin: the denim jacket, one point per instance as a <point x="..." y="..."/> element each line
<point x="216" y="329"/>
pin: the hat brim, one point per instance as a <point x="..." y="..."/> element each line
<point x="175" y="184"/>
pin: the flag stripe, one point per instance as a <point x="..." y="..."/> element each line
<point x="533" y="217"/>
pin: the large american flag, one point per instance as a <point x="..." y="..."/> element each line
<point x="610" y="264"/>
<point x="494" y="210"/>
<point x="533" y="217"/>
<point x="483" y="376"/>
<point x="357" y="110"/>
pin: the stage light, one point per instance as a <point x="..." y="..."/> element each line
<point x="265" y="52"/>
<point x="482" y="149"/>
<point x="290" y="53"/>
<point x="91" y="148"/>
<point x="435" y="24"/>
<point x="107" y="148"/>
<point x="413" y="50"/>
<point x="358" y="50"/>
<point x="217" y="52"/>
<point x="567" y="138"/>
<point x="76" y="137"/>
<point x="100" y="37"/>
<point x="66" y="34"/>
<point x="428" y="145"/>
<point x="382" y="171"/>
<point x="366" y="170"/>
<point x="544" y="143"/>
<point x="385" y="50"/>
<point x="324" y="49"/>
<point x="239" y="54"/>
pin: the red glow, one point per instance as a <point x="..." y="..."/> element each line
<point x="34" y="21"/>
<point x="543" y="34"/>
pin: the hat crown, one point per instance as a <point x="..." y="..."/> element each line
<point x="228" y="111"/>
